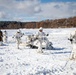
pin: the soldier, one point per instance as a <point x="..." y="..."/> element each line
<point x="30" y="41"/>
<point x="18" y="36"/>
<point x="73" y="54"/>
<point x="42" y="38"/>
<point x="1" y="37"/>
<point x="5" y="36"/>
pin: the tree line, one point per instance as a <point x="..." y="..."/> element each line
<point x="57" y="23"/>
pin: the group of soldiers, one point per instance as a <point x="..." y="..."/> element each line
<point x="40" y="37"/>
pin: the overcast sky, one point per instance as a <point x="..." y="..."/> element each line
<point x="36" y="10"/>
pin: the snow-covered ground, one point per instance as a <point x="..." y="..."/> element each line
<point x="26" y="61"/>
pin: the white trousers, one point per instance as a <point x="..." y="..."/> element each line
<point x="41" y="40"/>
<point x="18" y="41"/>
<point x="73" y="54"/>
<point x="5" y="39"/>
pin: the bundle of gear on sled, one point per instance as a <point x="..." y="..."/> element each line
<point x="39" y="41"/>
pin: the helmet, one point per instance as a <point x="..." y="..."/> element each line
<point x="40" y="28"/>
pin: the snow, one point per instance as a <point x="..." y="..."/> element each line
<point x="26" y="61"/>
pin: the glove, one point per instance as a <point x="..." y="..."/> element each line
<point x="47" y="35"/>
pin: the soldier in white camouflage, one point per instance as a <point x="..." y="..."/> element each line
<point x="73" y="38"/>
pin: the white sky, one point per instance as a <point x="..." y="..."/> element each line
<point x="35" y="10"/>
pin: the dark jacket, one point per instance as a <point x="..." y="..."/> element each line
<point x="1" y="36"/>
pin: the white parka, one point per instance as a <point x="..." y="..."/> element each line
<point x="5" y="36"/>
